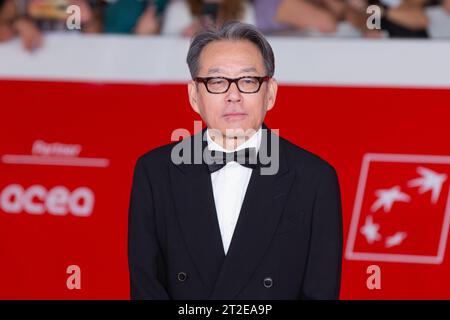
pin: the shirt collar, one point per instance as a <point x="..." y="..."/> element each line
<point x="253" y="142"/>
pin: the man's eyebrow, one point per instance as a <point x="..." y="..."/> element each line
<point x="218" y="70"/>
<point x="214" y="70"/>
<point x="250" y="69"/>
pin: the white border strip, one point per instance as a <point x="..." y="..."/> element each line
<point x="162" y="59"/>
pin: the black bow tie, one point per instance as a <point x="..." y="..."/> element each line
<point x="245" y="157"/>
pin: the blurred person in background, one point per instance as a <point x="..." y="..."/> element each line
<point x="186" y="17"/>
<point x="399" y="18"/>
<point x="29" y="18"/>
<point x="281" y="15"/>
<point x="142" y="17"/>
<point x="6" y="16"/>
<point x="208" y="13"/>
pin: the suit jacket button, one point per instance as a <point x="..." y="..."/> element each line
<point x="181" y="276"/>
<point x="268" y="282"/>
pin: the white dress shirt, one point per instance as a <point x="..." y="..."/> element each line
<point x="229" y="187"/>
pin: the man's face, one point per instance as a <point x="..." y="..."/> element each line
<point x="232" y="109"/>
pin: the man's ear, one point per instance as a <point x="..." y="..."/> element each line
<point x="272" y="88"/>
<point x="192" y="92"/>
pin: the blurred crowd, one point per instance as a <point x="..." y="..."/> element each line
<point x="28" y="19"/>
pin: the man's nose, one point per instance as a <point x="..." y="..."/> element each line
<point x="233" y="93"/>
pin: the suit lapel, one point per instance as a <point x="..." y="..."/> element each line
<point x="194" y="202"/>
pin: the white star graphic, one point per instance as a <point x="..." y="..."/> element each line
<point x="429" y="180"/>
<point x="370" y="230"/>
<point x="387" y="197"/>
<point x="395" y="239"/>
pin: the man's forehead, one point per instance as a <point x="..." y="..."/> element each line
<point x="241" y="59"/>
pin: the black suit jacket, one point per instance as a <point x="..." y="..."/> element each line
<point x="287" y="243"/>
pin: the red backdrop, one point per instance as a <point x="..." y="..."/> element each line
<point x="112" y="124"/>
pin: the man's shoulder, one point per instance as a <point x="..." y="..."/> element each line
<point x="300" y="158"/>
<point x="157" y="157"/>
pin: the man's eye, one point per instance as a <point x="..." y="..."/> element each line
<point x="216" y="81"/>
<point x="249" y="80"/>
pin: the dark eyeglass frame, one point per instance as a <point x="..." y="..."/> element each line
<point x="205" y="80"/>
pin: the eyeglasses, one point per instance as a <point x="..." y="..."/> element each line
<point x="244" y="84"/>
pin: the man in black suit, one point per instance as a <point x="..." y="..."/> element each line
<point x="235" y="211"/>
